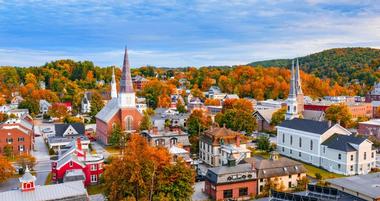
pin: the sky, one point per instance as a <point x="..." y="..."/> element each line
<point x="178" y="33"/>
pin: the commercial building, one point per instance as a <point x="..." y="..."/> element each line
<point x="370" y="128"/>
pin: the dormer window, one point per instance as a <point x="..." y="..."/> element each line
<point x="71" y="164"/>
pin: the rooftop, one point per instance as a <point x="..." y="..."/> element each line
<point x="343" y="142"/>
<point x="375" y="122"/>
<point x="318" y="127"/>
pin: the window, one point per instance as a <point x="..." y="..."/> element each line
<point x="173" y="141"/>
<point x="227" y="193"/>
<point x="100" y="166"/>
<point x="339" y="156"/>
<point x="291" y="151"/>
<point x="373" y="154"/>
<point x="129" y="123"/>
<point x="351" y="168"/>
<point x="93" y="167"/>
<point x="21" y="148"/>
<point x="324" y="149"/>
<point x="94" y="178"/>
<point x="311" y="144"/>
<point x="20" y="139"/>
<point x="300" y="142"/>
<point x="283" y="149"/>
<point x="283" y="138"/>
<point x="243" y="191"/>
<point x="299" y="154"/>
<point x="339" y="166"/>
<point x="261" y="188"/>
<point x="288" y="108"/>
<point x="352" y="157"/>
<point x="9" y="140"/>
<point x="295" y="108"/>
<point x="365" y="155"/>
<point x="71" y="164"/>
<point x="291" y="140"/>
<point x="289" y="184"/>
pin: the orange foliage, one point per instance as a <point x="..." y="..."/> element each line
<point x="214" y="102"/>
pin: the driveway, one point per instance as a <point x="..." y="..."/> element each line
<point x="198" y="195"/>
<point x="43" y="166"/>
<point x="10" y="184"/>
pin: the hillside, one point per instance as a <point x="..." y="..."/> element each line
<point x="342" y="65"/>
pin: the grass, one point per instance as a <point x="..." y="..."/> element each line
<point x="263" y="154"/>
<point x="95" y="189"/>
<point x="48" y="179"/>
<point x="312" y="170"/>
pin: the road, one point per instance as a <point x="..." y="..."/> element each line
<point x="198" y="195"/>
<point x="43" y="166"/>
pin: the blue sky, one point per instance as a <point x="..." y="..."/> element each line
<point x="181" y="32"/>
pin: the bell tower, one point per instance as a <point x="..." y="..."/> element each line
<point x="291" y="101"/>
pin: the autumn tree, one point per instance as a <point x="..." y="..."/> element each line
<point x="3" y="117"/>
<point x="197" y="122"/>
<point x="196" y="92"/>
<point x="146" y="122"/>
<point x="96" y="104"/>
<point x="278" y="117"/>
<point x="58" y="110"/>
<point x="180" y="106"/>
<point x="339" y="113"/>
<point x="116" y="136"/>
<point x="163" y="101"/>
<point x="213" y="102"/>
<point x="30" y="104"/>
<point x="6" y="169"/>
<point x="26" y="160"/>
<point x="151" y="177"/>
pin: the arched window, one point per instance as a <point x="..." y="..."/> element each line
<point x="173" y="141"/>
<point x="128" y="124"/>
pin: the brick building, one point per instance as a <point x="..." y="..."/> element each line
<point x="370" y="128"/>
<point x="17" y="135"/>
<point x="120" y="110"/>
<point x="356" y="109"/>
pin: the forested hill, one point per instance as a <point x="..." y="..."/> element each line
<point x="343" y="65"/>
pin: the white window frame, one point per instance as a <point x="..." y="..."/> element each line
<point x="93" y="167"/>
<point x="94" y="178"/>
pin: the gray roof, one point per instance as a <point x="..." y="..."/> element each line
<point x="246" y="167"/>
<point x="318" y="127"/>
<point x="108" y="111"/>
<point x="61" y="128"/>
<point x="368" y="185"/>
<point x="48" y="192"/>
<point x="313" y="115"/>
<point x="267" y="113"/>
<point x="343" y="142"/>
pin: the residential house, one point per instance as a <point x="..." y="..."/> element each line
<point x="16" y="100"/>
<point x="370" y="128"/>
<point x="269" y="104"/>
<point x="86" y="103"/>
<point x="167" y="138"/>
<point x="218" y="145"/>
<point x="17" y="135"/>
<point x="194" y="103"/>
<point x="44" y="106"/>
<point x="169" y="117"/>
<point x="65" y="134"/>
<point x="373" y="95"/>
<point x="174" y="98"/>
<point x="263" y="119"/>
<point x="282" y="171"/>
<point x="139" y="81"/>
<point x="80" y="160"/>
<point x="19" y="113"/>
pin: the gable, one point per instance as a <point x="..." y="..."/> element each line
<point x="334" y="129"/>
<point x="70" y="131"/>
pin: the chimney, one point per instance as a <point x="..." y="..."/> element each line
<point x="79" y="144"/>
<point x="155" y="130"/>
<point x="238" y="140"/>
<point x="329" y="123"/>
<point x="253" y="165"/>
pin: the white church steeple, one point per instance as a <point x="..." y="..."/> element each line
<point x="127" y="97"/>
<point x="113" y="85"/>
<point x="291" y="101"/>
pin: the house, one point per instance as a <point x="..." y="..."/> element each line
<point x="139" y="81"/>
<point x="67" y="105"/>
<point x="19" y="113"/>
<point x="357" y="109"/>
<point x="80" y="160"/>
<point x="42" y="85"/>
<point x="141" y="104"/>
<point x="65" y="134"/>
<point x="237" y="182"/>
<point x="364" y="187"/>
<point x="178" y="152"/>
<point x="263" y="119"/>
<point x="218" y="145"/>
<point x="370" y="128"/>
<point x="16" y="135"/>
<point x="279" y="170"/>
<point x="120" y="110"/>
<point x="230" y="96"/>
<point x="194" y="103"/>
<point x="44" y="106"/>
<point x="215" y="93"/>
<point x="322" y="144"/>
<point x="85" y="104"/>
<point x="29" y="191"/>
<point x="169" y="117"/>
<point x="315" y="115"/>
<point x="167" y="138"/>
<point x="174" y="98"/>
<point x="373" y="95"/>
<point x="5" y="108"/>
<point x="16" y="100"/>
<point x="269" y="104"/>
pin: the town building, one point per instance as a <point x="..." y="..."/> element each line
<point x="16" y="100"/>
<point x="29" y="191"/>
<point x="263" y="119"/>
<point x="269" y="104"/>
<point x="282" y="171"/>
<point x="170" y="118"/>
<point x="373" y="95"/>
<point x="295" y="100"/>
<point x="174" y="98"/>
<point x="19" y="113"/>
<point x="237" y="182"/>
<point x="5" y="108"/>
<point x="139" y="81"/>
<point x="44" y="106"/>
<point x="17" y="136"/>
<point x="78" y="159"/>
<point x="167" y="138"/>
<point x="357" y="109"/>
<point x="364" y="187"/>
<point x="194" y="103"/>
<point x="86" y="103"/>
<point x="218" y="145"/>
<point x="120" y="110"/>
<point x="325" y="145"/>
<point x="370" y="128"/>
<point x="64" y="134"/>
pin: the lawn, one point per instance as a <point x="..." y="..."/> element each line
<point x="312" y="170"/>
<point x="95" y="189"/>
<point x="260" y="153"/>
<point x="112" y="150"/>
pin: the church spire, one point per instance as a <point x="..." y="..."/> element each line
<point x="298" y="79"/>
<point x="113" y="84"/>
<point x="126" y="79"/>
<point x="291" y="101"/>
<point x="292" y="91"/>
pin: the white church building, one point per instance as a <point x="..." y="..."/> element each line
<point x="321" y="143"/>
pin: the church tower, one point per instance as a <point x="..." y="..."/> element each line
<point x="291" y="101"/>
<point x="113" y="85"/>
<point x="126" y="94"/>
<point x="299" y="93"/>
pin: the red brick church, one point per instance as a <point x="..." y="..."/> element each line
<point x="121" y="109"/>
